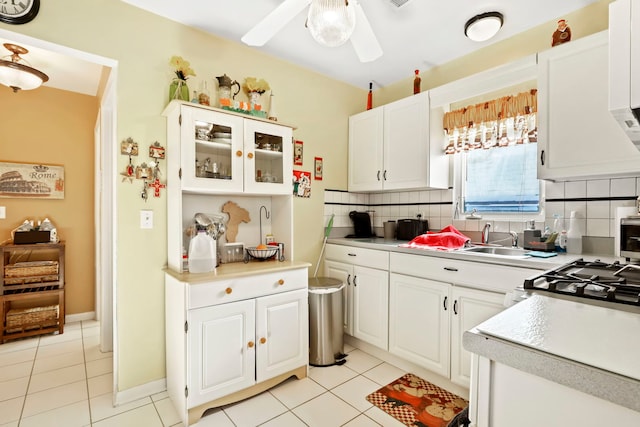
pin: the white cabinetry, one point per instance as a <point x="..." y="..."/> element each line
<point x="390" y="149"/>
<point x="230" y="339"/>
<point x="433" y="301"/>
<point x="225" y="153"/>
<point x="577" y="135"/>
<point x="366" y="294"/>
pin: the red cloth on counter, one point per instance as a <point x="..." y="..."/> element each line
<point x="449" y="238"/>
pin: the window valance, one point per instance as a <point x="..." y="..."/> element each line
<point x="502" y="122"/>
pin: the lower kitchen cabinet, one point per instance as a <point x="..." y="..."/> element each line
<point x="427" y="319"/>
<point x="366" y="294"/>
<point x="470" y="308"/>
<point x="230" y="339"/>
<point x="236" y="345"/>
<point x="433" y="301"/>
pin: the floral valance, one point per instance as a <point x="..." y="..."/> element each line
<point x="502" y="122"/>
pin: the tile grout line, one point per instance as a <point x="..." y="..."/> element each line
<point x="26" y="392"/>
<point x="86" y="373"/>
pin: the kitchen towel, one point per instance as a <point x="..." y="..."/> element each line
<point x="447" y="239"/>
<point x="418" y="403"/>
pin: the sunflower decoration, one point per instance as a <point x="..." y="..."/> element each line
<point x="182" y="68"/>
<point x="251" y="84"/>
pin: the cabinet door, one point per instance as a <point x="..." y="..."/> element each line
<point x="470" y="308"/>
<point x="221" y="350"/>
<point x="365" y="150"/>
<point x="577" y="135"/>
<point x="371" y="305"/>
<point x="343" y="272"/>
<point x="211" y="150"/>
<point x="406" y="143"/>
<point x="282" y="333"/>
<point x="419" y="321"/>
<point x="268" y="154"/>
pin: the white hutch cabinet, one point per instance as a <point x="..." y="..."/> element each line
<point x="242" y="328"/>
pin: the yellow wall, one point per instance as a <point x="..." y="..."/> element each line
<point x="142" y="44"/>
<point x="35" y="129"/>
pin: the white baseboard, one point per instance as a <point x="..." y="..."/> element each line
<point x="139" y="392"/>
<point x="72" y="318"/>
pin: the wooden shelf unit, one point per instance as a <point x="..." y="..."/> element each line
<point x="31" y="291"/>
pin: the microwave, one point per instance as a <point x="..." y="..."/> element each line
<point x="630" y="237"/>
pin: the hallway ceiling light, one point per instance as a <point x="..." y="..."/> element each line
<point x="484" y="26"/>
<point x="16" y="74"/>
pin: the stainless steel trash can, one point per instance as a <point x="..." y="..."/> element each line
<point x="326" y="322"/>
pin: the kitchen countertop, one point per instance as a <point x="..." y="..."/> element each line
<point x="238" y="269"/>
<point x="525" y="262"/>
<point x="586" y="347"/>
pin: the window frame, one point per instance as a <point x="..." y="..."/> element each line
<point x="459" y="176"/>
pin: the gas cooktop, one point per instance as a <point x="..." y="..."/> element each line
<point x="592" y="280"/>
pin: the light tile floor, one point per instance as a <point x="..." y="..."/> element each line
<point x="65" y="381"/>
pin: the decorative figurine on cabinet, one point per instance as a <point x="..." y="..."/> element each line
<point x="562" y="34"/>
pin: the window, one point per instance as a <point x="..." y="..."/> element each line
<point x="501" y="180"/>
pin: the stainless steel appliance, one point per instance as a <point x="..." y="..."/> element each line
<point x="630" y="237"/>
<point x="614" y="285"/>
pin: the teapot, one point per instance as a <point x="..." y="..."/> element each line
<point x="225" y="94"/>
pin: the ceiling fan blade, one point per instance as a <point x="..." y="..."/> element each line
<point x="363" y="39"/>
<point x="274" y="22"/>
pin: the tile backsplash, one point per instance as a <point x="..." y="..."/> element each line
<point x="594" y="200"/>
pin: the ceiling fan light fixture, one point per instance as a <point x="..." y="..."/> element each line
<point x="331" y="22"/>
<point x="17" y="75"/>
<point x="484" y="26"/>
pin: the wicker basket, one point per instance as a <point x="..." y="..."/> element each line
<point x="19" y="319"/>
<point x="31" y="268"/>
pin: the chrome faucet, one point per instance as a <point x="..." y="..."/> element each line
<point x="485" y="233"/>
<point x="514" y="239"/>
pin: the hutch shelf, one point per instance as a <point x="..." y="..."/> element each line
<point x="31" y="290"/>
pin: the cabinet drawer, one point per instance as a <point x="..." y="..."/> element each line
<point x="236" y="289"/>
<point x="358" y="256"/>
<point x="493" y="277"/>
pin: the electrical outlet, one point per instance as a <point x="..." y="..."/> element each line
<point x="3" y="212"/>
<point x="146" y="219"/>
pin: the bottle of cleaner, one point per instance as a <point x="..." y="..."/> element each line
<point x="574" y="235"/>
<point x="202" y="253"/>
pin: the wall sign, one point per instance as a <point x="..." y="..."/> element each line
<point x="297" y="153"/>
<point x="28" y="180"/>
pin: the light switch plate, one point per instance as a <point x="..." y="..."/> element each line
<point x="3" y="212"/>
<point x="146" y="219"/>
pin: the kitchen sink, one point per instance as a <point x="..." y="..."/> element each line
<point x="498" y="251"/>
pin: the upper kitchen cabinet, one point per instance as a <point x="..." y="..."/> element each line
<point x="390" y="149"/>
<point x="222" y="152"/>
<point x="577" y="135"/>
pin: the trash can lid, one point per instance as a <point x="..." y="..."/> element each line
<point x="325" y="284"/>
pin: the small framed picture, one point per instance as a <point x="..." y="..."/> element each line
<point x="297" y="153"/>
<point x="129" y="147"/>
<point x="317" y="169"/>
<point x="143" y="171"/>
<point x="156" y="151"/>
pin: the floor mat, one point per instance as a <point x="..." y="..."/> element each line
<point x="418" y="403"/>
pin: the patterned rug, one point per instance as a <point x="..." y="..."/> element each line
<point x="418" y="403"/>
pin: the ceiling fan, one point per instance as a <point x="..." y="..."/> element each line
<point x="353" y="25"/>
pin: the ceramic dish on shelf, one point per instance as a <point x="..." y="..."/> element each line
<point x="222" y="135"/>
<point x="222" y="140"/>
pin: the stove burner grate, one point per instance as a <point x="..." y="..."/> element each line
<point x="593" y="280"/>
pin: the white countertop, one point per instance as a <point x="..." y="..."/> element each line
<point x="596" y="336"/>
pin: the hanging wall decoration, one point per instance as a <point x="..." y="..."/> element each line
<point x="129" y="147"/>
<point x="318" y="169"/>
<point x="302" y="184"/>
<point x="297" y="153"/>
<point x="156" y="151"/>
<point x="27" y="180"/>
